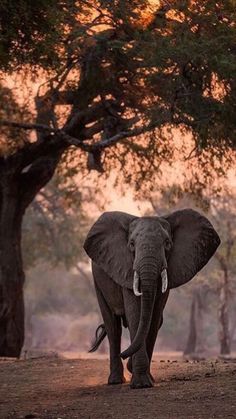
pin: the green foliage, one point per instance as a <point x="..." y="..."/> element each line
<point x="11" y="138"/>
<point x="54" y="226"/>
<point x="33" y="31"/>
<point x="194" y="65"/>
<point x="168" y="65"/>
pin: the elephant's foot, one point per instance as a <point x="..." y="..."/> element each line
<point x="141" y="381"/>
<point x="130" y="369"/>
<point x="116" y="378"/>
<point x="116" y="371"/>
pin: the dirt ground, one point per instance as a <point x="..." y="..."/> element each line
<point x="54" y="388"/>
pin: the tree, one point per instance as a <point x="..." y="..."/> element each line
<point x="195" y="343"/>
<point x="223" y="214"/>
<point x="126" y="72"/>
<point x="55" y="226"/>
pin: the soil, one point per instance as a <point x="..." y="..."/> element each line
<point x="54" y="388"/>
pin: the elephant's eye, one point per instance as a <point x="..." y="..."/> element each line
<point x="131" y="245"/>
<point x="168" y="244"/>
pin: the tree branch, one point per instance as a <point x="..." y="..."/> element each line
<point x="100" y="145"/>
<point x="88" y="115"/>
<point x="57" y="140"/>
<point x="28" y="126"/>
<point x="36" y="177"/>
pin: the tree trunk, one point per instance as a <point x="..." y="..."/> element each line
<point x="195" y="338"/>
<point x="223" y="316"/>
<point x="192" y="336"/>
<point x="17" y="190"/>
<point x="11" y="271"/>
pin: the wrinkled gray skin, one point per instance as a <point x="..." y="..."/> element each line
<point x="119" y="244"/>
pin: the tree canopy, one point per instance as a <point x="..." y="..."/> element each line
<point x="125" y="69"/>
<point x="30" y="30"/>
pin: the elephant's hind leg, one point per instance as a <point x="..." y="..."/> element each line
<point x="113" y="329"/>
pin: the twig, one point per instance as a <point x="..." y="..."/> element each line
<point x="28" y="126"/>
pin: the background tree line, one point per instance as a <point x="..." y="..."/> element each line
<point x="62" y="311"/>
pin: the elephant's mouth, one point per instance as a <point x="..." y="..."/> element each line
<point x="136" y="282"/>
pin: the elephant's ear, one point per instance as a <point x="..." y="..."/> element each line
<point x="106" y="245"/>
<point x="194" y="243"/>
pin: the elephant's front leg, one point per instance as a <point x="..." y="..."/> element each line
<point x="140" y="362"/>
<point x="156" y="323"/>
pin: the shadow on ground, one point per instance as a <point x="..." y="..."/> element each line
<point x="51" y="387"/>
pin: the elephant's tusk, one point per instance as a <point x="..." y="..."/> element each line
<point x="136" y="284"/>
<point x="164" y="279"/>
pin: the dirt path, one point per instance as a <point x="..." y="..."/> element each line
<point x="54" y="388"/>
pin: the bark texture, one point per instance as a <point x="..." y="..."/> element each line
<point x="11" y="270"/>
<point x="17" y="189"/>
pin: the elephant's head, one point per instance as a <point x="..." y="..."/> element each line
<point x="145" y="254"/>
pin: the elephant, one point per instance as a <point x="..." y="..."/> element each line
<point x="135" y="263"/>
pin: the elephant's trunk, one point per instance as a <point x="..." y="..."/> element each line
<point x="149" y="288"/>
